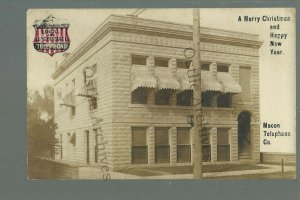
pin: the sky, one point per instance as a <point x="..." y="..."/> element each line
<point x="277" y="73"/>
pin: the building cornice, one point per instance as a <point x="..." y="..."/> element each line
<point x="114" y="23"/>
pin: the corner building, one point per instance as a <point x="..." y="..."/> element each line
<point x="122" y="98"/>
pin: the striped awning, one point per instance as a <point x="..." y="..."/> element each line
<point x="208" y="81"/>
<point x="183" y="79"/>
<point x="69" y="99"/>
<point x="228" y="83"/>
<point x="142" y="77"/>
<point x="89" y="89"/>
<point x="165" y="79"/>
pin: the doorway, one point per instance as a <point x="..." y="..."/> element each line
<point x="244" y="136"/>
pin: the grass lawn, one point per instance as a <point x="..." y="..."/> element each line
<point x="154" y="171"/>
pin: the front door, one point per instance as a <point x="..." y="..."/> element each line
<point x="244" y="136"/>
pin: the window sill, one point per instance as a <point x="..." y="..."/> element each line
<point x="222" y="109"/>
<point x="178" y="107"/>
<point x="244" y="103"/>
<point x="160" y="106"/>
<point x="93" y="111"/>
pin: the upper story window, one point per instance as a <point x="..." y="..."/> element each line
<point x="161" y="62"/>
<point x="93" y="103"/>
<point x="139" y="96"/>
<point x="67" y="88"/>
<point x="73" y="83"/>
<point x="184" y="98"/>
<point x="163" y="97"/>
<point x="224" y="100"/>
<point x="73" y="111"/>
<point x="72" y="139"/>
<point x="222" y="68"/>
<point x="138" y="60"/>
<point x="183" y="64"/>
<point x="205" y="66"/>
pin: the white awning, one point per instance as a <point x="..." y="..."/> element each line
<point x="208" y="81"/>
<point x="69" y="99"/>
<point x="141" y="77"/>
<point x="165" y="79"/>
<point x="228" y="83"/>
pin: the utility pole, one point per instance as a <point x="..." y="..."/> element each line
<point x="197" y="99"/>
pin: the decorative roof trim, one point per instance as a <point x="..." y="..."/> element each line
<point x="177" y="31"/>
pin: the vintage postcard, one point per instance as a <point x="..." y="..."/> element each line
<point x="148" y="93"/>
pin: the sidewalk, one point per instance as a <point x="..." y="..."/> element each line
<point x="270" y="169"/>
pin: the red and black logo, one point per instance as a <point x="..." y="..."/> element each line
<point x="51" y="35"/>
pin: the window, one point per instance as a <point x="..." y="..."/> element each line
<point x="183" y="64"/>
<point x="96" y="145"/>
<point x="138" y="60"/>
<point x="206" y="147"/>
<point x="222" y="68"/>
<point x="224" y="101"/>
<point x="93" y="103"/>
<point x="73" y="84"/>
<point x="72" y="139"/>
<point x="205" y="66"/>
<point x="61" y="146"/>
<point x="245" y="75"/>
<point x="87" y="146"/>
<point x="185" y="98"/>
<point x="162" y="147"/>
<point x="163" y="97"/>
<point x="223" y="146"/>
<point x="161" y="62"/>
<point x="139" y="96"/>
<point x="206" y="99"/>
<point x="139" y="146"/>
<point x="73" y="111"/>
<point x="183" y="145"/>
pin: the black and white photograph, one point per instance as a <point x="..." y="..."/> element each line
<point x="161" y="93"/>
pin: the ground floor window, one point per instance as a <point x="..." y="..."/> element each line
<point x="139" y="146"/>
<point x="183" y="145"/>
<point x="61" y="146"/>
<point x="96" y="145"/>
<point x="162" y="147"/>
<point x="206" y="146"/>
<point x="139" y="96"/>
<point x="223" y="145"/>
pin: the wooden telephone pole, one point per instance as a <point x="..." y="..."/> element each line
<point x="197" y="100"/>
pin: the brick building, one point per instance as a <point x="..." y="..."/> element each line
<point x="123" y="96"/>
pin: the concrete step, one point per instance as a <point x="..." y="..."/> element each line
<point x="244" y="155"/>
